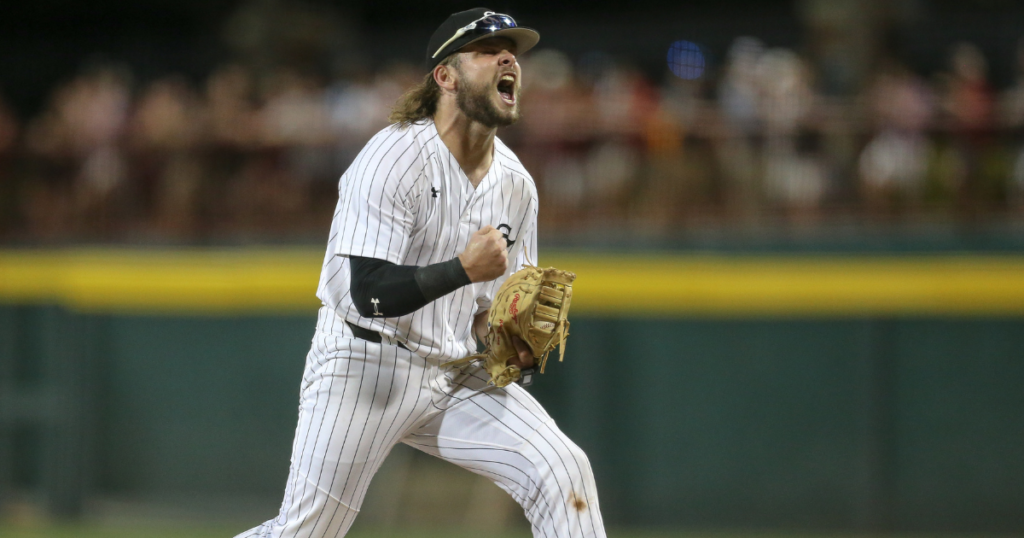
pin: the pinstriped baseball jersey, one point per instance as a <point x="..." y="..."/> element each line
<point x="406" y="200"/>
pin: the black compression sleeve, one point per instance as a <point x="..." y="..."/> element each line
<point x="442" y="278"/>
<point x="383" y="289"/>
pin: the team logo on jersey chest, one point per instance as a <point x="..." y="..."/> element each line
<point x="506" y="230"/>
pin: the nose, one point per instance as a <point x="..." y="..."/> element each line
<point x="506" y="57"/>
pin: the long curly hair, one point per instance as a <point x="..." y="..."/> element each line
<point x="420" y="101"/>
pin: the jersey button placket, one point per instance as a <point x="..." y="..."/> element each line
<point x="467" y="213"/>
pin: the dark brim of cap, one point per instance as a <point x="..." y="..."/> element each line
<point x="525" y="38"/>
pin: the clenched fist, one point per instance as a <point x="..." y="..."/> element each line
<point x="485" y="257"/>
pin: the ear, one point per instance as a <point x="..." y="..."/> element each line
<point x="446" y="77"/>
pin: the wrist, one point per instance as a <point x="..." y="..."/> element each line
<point x="465" y="267"/>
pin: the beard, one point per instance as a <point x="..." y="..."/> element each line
<point x="477" y="103"/>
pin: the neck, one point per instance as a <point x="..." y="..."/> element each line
<point x="471" y="143"/>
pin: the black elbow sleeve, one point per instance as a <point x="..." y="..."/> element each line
<point x="361" y="299"/>
<point x="383" y="289"/>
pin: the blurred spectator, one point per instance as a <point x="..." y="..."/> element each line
<point x="1012" y="102"/>
<point x="231" y="134"/>
<point x="555" y="133"/>
<point x="165" y="117"/>
<point x="739" y="148"/>
<point x="81" y="179"/>
<point x="624" y="103"/>
<point x="968" y="105"/>
<point x="166" y="130"/>
<point x="358" y="108"/>
<point x="9" y="131"/>
<point x="623" y="99"/>
<point x="97" y="113"/>
<point x="557" y="107"/>
<point x="294" y="111"/>
<point x="259" y="150"/>
<point x="1013" y="114"/>
<point x="740" y="89"/>
<point x="296" y="125"/>
<point x="968" y="100"/>
<point x="230" y="114"/>
<point x="672" y="187"/>
<point x="793" y="179"/>
<point x="893" y="166"/>
<point x="263" y="189"/>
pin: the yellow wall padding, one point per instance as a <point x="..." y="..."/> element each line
<point x="232" y="281"/>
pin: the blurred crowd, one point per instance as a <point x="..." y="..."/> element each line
<point x="750" y="142"/>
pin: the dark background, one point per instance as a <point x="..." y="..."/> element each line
<point x="46" y="41"/>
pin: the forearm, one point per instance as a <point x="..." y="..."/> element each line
<point x="383" y="289"/>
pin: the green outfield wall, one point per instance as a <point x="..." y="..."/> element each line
<point x="742" y="392"/>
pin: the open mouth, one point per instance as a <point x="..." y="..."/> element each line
<point x="507" y="89"/>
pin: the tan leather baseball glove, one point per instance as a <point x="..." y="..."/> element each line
<point x="532" y="304"/>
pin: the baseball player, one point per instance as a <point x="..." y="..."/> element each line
<point x="432" y="216"/>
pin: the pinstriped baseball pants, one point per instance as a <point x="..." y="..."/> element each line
<point x="358" y="399"/>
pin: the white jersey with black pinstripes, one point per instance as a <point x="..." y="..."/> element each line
<point x="406" y="200"/>
<point x="358" y="399"/>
